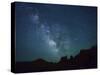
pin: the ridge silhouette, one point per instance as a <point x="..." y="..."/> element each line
<point x="86" y="59"/>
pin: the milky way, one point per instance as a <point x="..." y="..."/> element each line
<point x="50" y="32"/>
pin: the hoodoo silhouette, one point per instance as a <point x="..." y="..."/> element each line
<point x="87" y="58"/>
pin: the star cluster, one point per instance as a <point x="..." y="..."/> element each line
<point x="53" y="31"/>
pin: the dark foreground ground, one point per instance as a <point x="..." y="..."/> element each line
<point x="86" y="59"/>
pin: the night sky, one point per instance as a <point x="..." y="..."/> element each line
<point x="53" y="31"/>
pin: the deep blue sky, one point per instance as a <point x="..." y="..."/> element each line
<point x="53" y="31"/>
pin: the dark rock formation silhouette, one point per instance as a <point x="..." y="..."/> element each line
<point x="86" y="59"/>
